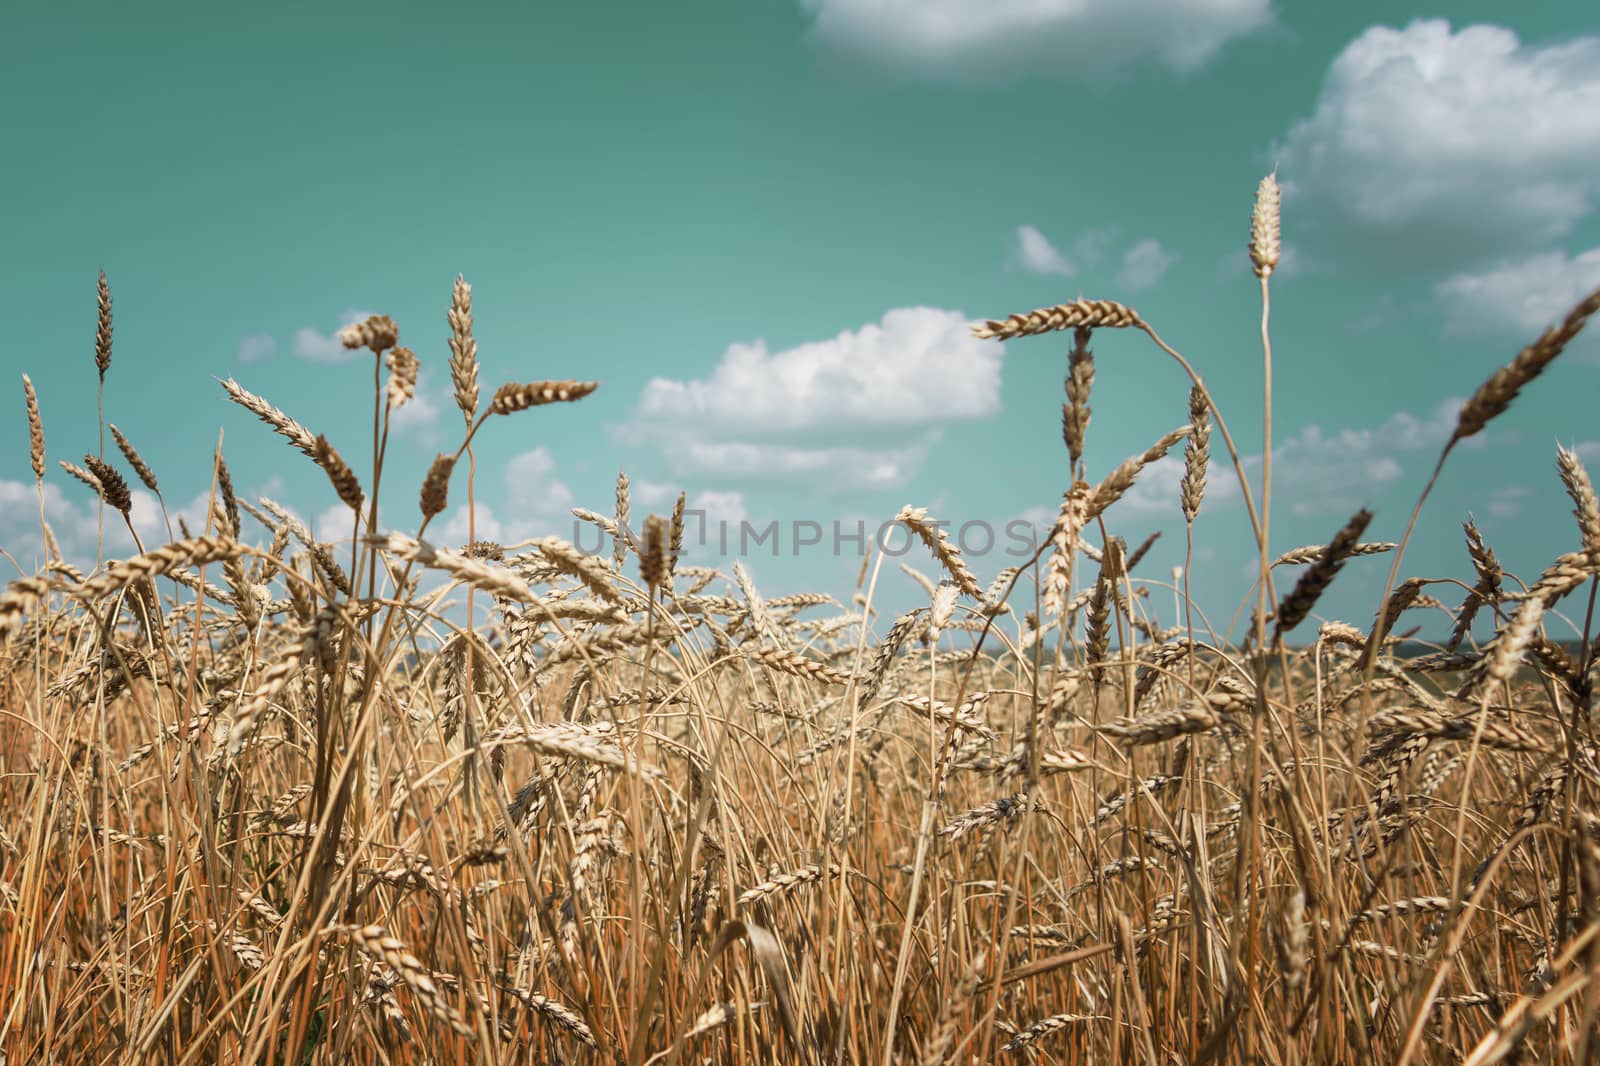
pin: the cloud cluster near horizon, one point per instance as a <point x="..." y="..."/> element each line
<point x="855" y="411"/>
<point x="966" y="41"/>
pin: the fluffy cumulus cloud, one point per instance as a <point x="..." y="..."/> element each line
<point x="858" y="410"/>
<point x="535" y="502"/>
<point x="841" y="468"/>
<point x="919" y="364"/>
<point x="308" y="342"/>
<point x="1144" y="264"/>
<point x="1037" y="254"/>
<point x="319" y="347"/>
<point x="655" y="495"/>
<point x="719" y="508"/>
<point x="418" y="420"/>
<point x="712" y="518"/>
<point x="1156" y="493"/>
<point x="20" y="532"/>
<point x="1522" y="296"/>
<point x="1320" y="473"/>
<point x="713" y="505"/>
<point x="533" y="491"/>
<point x="987" y="41"/>
<point x="1315" y="472"/>
<point x="1140" y="266"/>
<point x="1450" y="141"/>
<point x="335" y="523"/>
<point x="462" y="525"/>
<point x="73" y="513"/>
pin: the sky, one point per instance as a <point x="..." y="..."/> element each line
<point x="764" y="226"/>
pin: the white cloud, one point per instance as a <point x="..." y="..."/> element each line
<point x="1318" y="473"/>
<point x="419" y="418"/>
<point x="486" y="525"/>
<point x="713" y="522"/>
<point x="720" y="507"/>
<point x="311" y="343"/>
<point x="844" y="469"/>
<point x="1453" y="143"/>
<point x="256" y="348"/>
<point x="859" y="409"/>
<point x="1002" y="40"/>
<point x="712" y="517"/>
<point x="1507" y="502"/>
<point x="532" y="489"/>
<point x="535" y="503"/>
<point x="714" y="504"/>
<point x="196" y="513"/>
<point x="918" y="365"/>
<point x="1019" y="536"/>
<point x="1156" y="493"/>
<point x="74" y="518"/>
<point x="20" y="533"/>
<point x="1314" y="472"/>
<point x="655" y="494"/>
<point x="335" y="522"/>
<point x="272" y="488"/>
<point x="1523" y="295"/>
<point x="1040" y="518"/>
<point x="1144" y="264"/>
<point x="1038" y="255"/>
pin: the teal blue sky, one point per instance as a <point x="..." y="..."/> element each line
<point x="762" y="226"/>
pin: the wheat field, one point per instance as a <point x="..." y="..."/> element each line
<point x="265" y="798"/>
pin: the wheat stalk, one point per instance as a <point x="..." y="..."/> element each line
<point x="1092" y="314"/>
<point x="403" y="368"/>
<point x="435" y="494"/>
<point x="375" y="942"/>
<point x="286" y="427"/>
<point x="129" y="452"/>
<point x="35" y="430"/>
<point x="1324" y="568"/>
<point x="102" y="328"/>
<point x="378" y="333"/>
<point x="463" y="350"/>
<point x="933" y="535"/>
<point x="112" y="487"/>
<point x="510" y="398"/>
<point x="1494" y="396"/>
<point x="339" y="473"/>
<point x="1265" y="227"/>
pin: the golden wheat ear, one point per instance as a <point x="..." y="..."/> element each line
<point x="339" y="473"/>
<point x="1494" y="396"/>
<point x="102" y="328"/>
<point x="35" y="429"/>
<point x="463" y="350"/>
